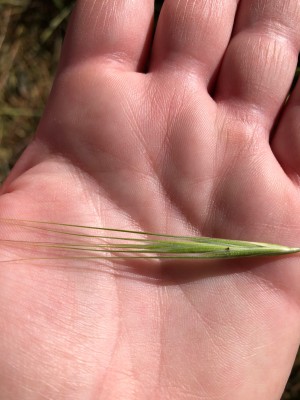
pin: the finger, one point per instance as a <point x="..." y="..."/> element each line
<point x="260" y="62"/>
<point x="286" y="140"/>
<point x="114" y="31"/>
<point x="192" y="35"/>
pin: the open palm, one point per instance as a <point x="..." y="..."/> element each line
<point x="171" y="136"/>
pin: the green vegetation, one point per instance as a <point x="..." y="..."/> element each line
<point x="82" y="242"/>
<point x="31" y="35"/>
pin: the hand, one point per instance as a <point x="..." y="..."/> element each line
<point x="184" y="149"/>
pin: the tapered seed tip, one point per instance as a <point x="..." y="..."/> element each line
<point x="294" y="250"/>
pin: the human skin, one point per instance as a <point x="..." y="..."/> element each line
<point x="170" y="137"/>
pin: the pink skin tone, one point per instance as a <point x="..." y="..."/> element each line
<point x="184" y="149"/>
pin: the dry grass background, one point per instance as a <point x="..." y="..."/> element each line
<point x="31" y="34"/>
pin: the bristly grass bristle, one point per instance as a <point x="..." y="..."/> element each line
<point x="80" y="241"/>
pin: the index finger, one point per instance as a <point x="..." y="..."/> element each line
<point x="110" y="31"/>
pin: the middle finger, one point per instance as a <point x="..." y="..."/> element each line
<point x="192" y="35"/>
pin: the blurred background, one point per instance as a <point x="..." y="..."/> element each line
<point x="31" y="35"/>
